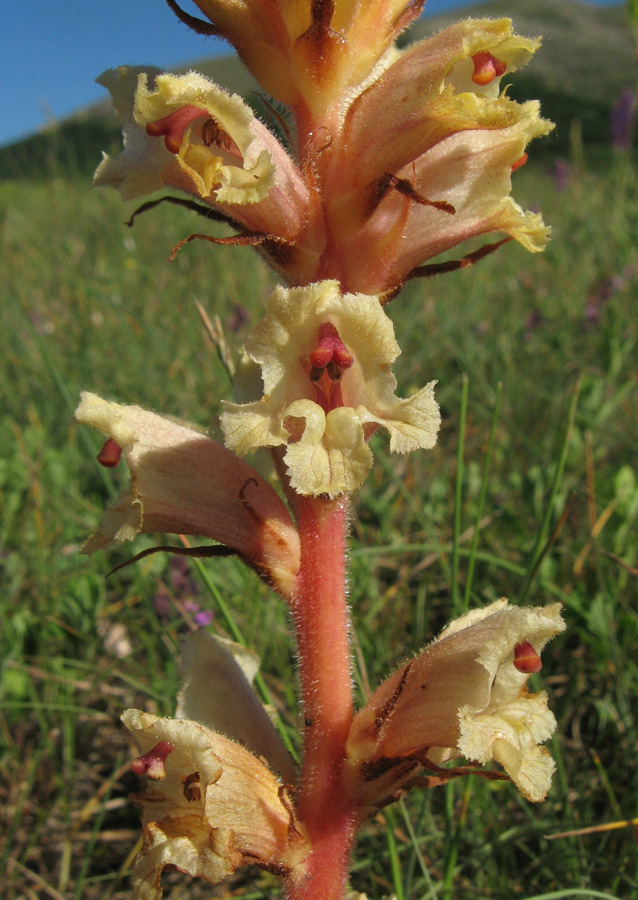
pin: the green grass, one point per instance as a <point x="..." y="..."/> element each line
<point x="90" y="304"/>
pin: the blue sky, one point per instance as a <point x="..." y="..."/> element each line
<point x="53" y="51"/>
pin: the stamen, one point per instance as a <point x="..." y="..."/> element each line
<point x="487" y="68"/>
<point x="110" y="454"/>
<point x="519" y="162"/>
<point x="172" y="127"/>
<point x="214" y="134"/>
<point x="192" y="789"/>
<point x="526" y="659"/>
<point x="152" y="763"/>
<point x="325" y="367"/>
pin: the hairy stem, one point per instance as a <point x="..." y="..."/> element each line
<point x="322" y="623"/>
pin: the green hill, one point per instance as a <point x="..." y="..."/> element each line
<point x="586" y="60"/>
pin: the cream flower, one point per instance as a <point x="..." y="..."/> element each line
<point x="436" y="167"/>
<point x="185" y="132"/>
<point x="464" y="695"/>
<point x="325" y="359"/>
<point x="211" y="808"/>
<point x="214" y="803"/>
<point x="183" y="482"/>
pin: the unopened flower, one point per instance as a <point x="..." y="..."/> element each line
<point x="308" y="54"/>
<point x="217" y="690"/>
<point x="183" y="482"/>
<point x="184" y="132"/>
<point x="326" y="359"/>
<point x="464" y="695"/>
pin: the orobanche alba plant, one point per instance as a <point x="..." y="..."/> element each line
<point x="385" y="159"/>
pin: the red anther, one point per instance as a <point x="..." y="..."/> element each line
<point x="526" y="659"/>
<point x="152" y="763"/>
<point x="330" y="348"/>
<point x="487" y="68"/>
<point x="174" y="125"/>
<point x="519" y="162"/>
<point x="110" y="454"/>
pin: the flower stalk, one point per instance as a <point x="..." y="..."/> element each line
<point x="321" y="619"/>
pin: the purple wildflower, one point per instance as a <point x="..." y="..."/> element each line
<point x="623" y="117"/>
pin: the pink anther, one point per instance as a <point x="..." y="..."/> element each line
<point x="330" y="348"/>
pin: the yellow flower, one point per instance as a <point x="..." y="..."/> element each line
<point x="214" y="802"/>
<point x="464" y="695"/>
<point x="184" y="132"/>
<point x="325" y="359"/>
<point x="183" y="482"/>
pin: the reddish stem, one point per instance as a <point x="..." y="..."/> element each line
<point x="322" y="623"/>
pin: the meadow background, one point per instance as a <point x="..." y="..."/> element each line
<point x="531" y="493"/>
